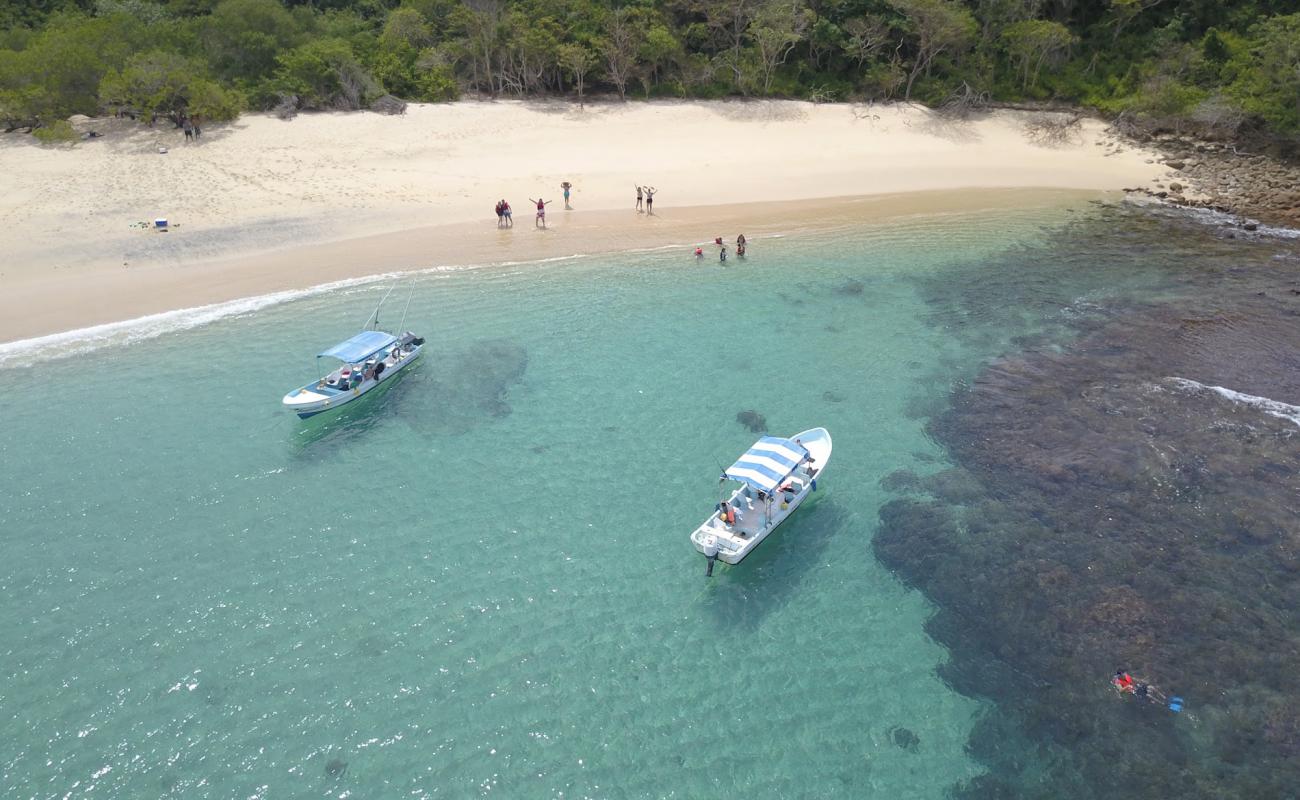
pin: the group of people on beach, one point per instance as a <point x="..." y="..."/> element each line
<point x="505" y="218"/>
<point x="645" y="199"/>
<point x="722" y="248"/>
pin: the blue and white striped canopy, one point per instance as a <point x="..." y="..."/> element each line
<point x="769" y="462"/>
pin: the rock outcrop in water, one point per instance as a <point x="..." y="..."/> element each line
<point x="1107" y="510"/>
<point x="756" y="422"/>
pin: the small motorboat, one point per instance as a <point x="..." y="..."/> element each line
<point x="368" y="359"/>
<point x="768" y="483"/>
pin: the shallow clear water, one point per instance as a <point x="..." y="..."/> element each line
<point x="479" y="582"/>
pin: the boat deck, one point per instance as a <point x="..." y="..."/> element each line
<point x="753" y="516"/>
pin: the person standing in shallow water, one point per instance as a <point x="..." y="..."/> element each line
<point x="566" y="186"/>
<point x="541" y="212"/>
<point x="639" y="201"/>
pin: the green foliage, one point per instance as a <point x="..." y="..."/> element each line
<point x="58" y="73"/>
<point x="1032" y="42"/>
<point x="243" y="38"/>
<point x="935" y="27"/>
<point x="164" y="84"/>
<point x="325" y="74"/>
<point x="57" y="132"/>
<point x="1268" y="74"/>
<point x="1167" y="62"/>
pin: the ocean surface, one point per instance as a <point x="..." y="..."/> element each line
<point x="478" y="582"/>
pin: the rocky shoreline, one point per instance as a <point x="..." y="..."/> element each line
<point x="1223" y="177"/>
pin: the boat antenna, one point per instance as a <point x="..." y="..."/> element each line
<point x="722" y="473"/>
<point x="402" y="325"/>
<point x="375" y="316"/>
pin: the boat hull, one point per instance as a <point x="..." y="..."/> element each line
<point x="732" y="543"/>
<point x="306" y="402"/>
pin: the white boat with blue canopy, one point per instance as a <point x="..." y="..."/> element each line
<point x="368" y="360"/>
<point x="767" y="484"/>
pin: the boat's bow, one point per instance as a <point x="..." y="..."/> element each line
<point x="817" y="442"/>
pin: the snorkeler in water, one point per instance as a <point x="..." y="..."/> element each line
<point x="1123" y="681"/>
<point x="1127" y="684"/>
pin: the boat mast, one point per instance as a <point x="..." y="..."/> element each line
<point x="401" y="326"/>
<point x="375" y="316"/>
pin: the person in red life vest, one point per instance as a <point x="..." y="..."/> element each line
<point x="1123" y="681"/>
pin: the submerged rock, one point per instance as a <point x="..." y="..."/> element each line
<point x="336" y="768"/>
<point x="904" y="738"/>
<point x="1112" y="506"/>
<point x="851" y="288"/>
<point x="756" y="422"/>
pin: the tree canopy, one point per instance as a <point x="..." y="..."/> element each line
<point x="1220" y="66"/>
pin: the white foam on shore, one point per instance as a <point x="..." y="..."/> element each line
<point x="1271" y="407"/>
<point x="85" y="340"/>
<point x="1209" y="216"/>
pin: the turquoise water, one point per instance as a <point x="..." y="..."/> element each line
<point x="479" y="582"/>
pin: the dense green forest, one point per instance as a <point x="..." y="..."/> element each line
<point x="1217" y="67"/>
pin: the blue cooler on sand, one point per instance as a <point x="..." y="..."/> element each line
<point x="160" y="224"/>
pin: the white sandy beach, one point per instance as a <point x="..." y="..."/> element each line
<point x="263" y="205"/>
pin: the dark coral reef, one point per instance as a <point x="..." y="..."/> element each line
<point x="1107" y="508"/>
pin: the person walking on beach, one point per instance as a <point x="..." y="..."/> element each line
<point x="189" y="129"/>
<point x="540" y="222"/>
<point x="566" y="186"/>
<point x="650" y="200"/>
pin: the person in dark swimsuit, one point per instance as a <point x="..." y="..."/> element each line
<point x="650" y="199"/>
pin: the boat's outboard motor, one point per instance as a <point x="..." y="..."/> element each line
<point x="711" y="553"/>
<point x="410" y="339"/>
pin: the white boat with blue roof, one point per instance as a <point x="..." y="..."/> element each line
<point x="366" y="361"/>
<point x="760" y="491"/>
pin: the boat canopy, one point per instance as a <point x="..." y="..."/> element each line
<point x="361" y="346"/>
<point x="769" y="462"/>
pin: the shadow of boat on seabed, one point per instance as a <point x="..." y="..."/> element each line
<point x="442" y="394"/>
<point x="744" y="594"/>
